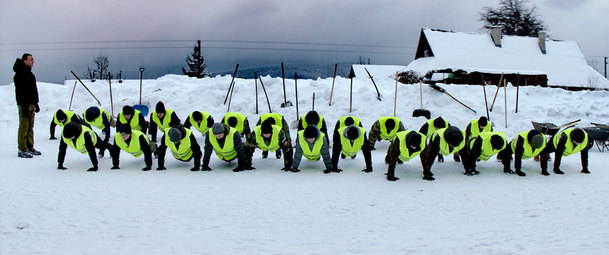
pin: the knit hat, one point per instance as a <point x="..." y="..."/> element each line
<point x="232" y="121"/>
<point x="60" y="115"/>
<point x="351" y="132"/>
<point x="439" y="123"/>
<point x="453" y="136"/>
<point x="482" y="122"/>
<point x="389" y="125"/>
<point x="312" y="118"/>
<point x="128" y="110"/>
<point x="311" y="132"/>
<point x="175" y="135"/>
<point x="124" y="129"/>
<point x="92" y="113"/>
<point x="413" y="139"/>
<point x="217" y="128"/>
<point x="71" y="129"/>
<point x="349" y="121"/>
<point x="497" y="142"/>
<point x="160" y="107"/>
<point x="266" y="127"/>
<point x="536" y="140"/>
<point x="578" y="135"/>
<point x="197" y="116"/>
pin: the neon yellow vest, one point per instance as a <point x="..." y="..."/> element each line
<point x="79" y="144"/>
<point x="569" y="149"/>
<point x="315" y="153"/>
<point x="444" y="146"/>
<point x="166" y="119"/>
<point x="431" y="128"/>
<point x="341" y="121"/>
<point x="487" y="150"/>
<point x="404" y="152"/>
<point x="69" y="116"/>
<point x="227" y="152"/>
<point x="348" y="149"/>
<point x="135" y="120"/>
<point x="528" y="151"/>
<point x="276" y="116"/>
<point x="185" y="151"/>
<point x="133" y="147"/>
<point x="273" y="145"/>
<point x="389" y="136"/>
<point x="319" y="124"/>
<point x="202" y="127"/>
<point x="240" y="120"/>
<point x="475" y="128"/>
<point x="99" y="121"/>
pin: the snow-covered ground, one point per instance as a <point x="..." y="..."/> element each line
<point x="268" y="211"/>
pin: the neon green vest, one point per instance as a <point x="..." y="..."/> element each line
<point x="315" y="153"/>
<point x="341" y="121"/>
<point x="166" y="119"/>
<point x="202" y="127"/>
<point x="276" y="116"/>
<point x="99" y="121"/>
<point x="348" y="149"/>
<point x="273" y="145"/>
<point x="135" y="120"/>
<point x="133" y="147"/>
<point x="431" y="128"/>
<point x="79" y="144"/>
<point x="444" y="146"/>
<point x="528" y="151"/>
<point x="475" y="129"/>
<point x="227" y="152"/>
<point x="487" y="150"/>
<point x="389" y="136"/>
<point x="240" y="120"/>
<point x="185" y="151"/>
<point x="69" y="116"/>
<point x="404" y="152"/>
<point x="569" y="149"/>
<point x="319" y="124"/>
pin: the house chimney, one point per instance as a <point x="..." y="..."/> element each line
<point x="542" y="41"/>
<point x="496" y="35"/>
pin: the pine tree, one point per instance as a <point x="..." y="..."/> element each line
<point x="514" y="17"/>
<point x="196" y="63"/>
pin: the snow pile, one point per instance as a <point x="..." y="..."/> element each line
<point x="266" y="211"/>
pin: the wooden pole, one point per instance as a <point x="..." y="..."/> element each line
<point x="517" y="90"/>
<point x="111" y="102"/>
<point x="256" y="89"/>
<point x="98" y="102"/>
<point x="488" y="116"/>
<point x="72" y="97"/>
<point x="265" y="95"/>
<point x="505" y="101"/>
<point x="332" y="90"/>
<point x="395" y="97"/>
<point x="296" y="92"/>
<point x="285" y="102"/>
<point x="313" y="103"/>
<point x="496" y="92"/>
<point x="232" y="83"/>
<point x="351" y="96"/>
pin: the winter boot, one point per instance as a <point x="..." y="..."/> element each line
<point x="24" y="154"/>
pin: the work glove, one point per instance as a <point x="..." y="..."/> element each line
<point x="585" y="171"/>
<point x="160" y="168"/>
<point x="36" y="108"/>
<point x="61" y="167"/>
<point x="238" y="169"/>
<point x="153" y="146"/>
<point x="367" y="170"/>
<point x="557" y="171"/>
<point x="147" y="168"/>
<point x="92" y="169"/>
<point x="195" y="168"/>
<point x="428" y="177"/>
<point x="205" y="168"/>
<point x="115" y="167"/>
<point x="53" y="138"/>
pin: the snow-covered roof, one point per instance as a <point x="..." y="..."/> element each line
<point x="564" y="63"/>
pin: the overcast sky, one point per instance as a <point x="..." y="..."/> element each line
<point x="389" y="31"/>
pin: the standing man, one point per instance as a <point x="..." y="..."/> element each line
<point x="26" y="93"/>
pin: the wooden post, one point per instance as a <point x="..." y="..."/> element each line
<point x="296" y="92"/>
<point x="517" y="90"/>
<point x="496" y="92"/>
<point x="313" y="103"/>
<point x="395" y="97"/>
<point x="110" y="85"/>
<point x="488" y="116"/>
<point x="332" y="90"/>
<point x="72" y="97"/>
<point x="256" y="89"/>
<point x="505" y="101"/>
<point x="351" y="96"/>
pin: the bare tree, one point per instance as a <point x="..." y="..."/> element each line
<point x="514" y="17"/>
<point x="102" y="63"/>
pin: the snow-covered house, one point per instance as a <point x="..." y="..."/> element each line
<point x="467" y="58"/>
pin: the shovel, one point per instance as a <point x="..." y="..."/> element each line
<point x="438" y="88"/>
<point x="285" y="102"/>
<point x="421" y="112"/>
<point x="141" y="107"/>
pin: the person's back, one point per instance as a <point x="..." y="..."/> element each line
<point x="26" y="94"/>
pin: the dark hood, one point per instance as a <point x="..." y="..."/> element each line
<point x="20" y="67"/>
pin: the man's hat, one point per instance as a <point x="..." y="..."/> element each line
<point x="217" y="128"/>
<point x="483" y="121"/>
<point x="439" y="123"/>
<point x="352" y="132"/>
<point x="126" y="128"/>
<point x="91" y="114"/>
<point x="389" y="125"/>
<point x="266" y="127"/>
<point x="175" y="135"/>
<point x="497" y="142"/>
<point x="197" y="116"/>
<point x="128" y="110"/>
<point x="311" y="132"/>
<point x="349" y="121"/>
<point x="312" y="118"/>
<point x="413" y="139"/>
<point x="578" y="135"/>
<point x="536" y="140"/>
<point x="60" y="115"/>
<point x="71" y="129"/>
<point x="160" y="107"/>
<point x="232" y="121"/>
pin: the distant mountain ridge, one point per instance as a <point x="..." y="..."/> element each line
<point x="304" y="71"/>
